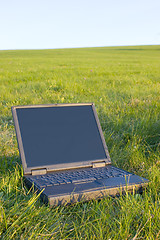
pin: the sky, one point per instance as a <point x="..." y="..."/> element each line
<point x="45" y="24"/>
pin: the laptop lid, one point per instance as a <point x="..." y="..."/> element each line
<point x="59" y="136"/>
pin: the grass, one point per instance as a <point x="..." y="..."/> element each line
<point x="124" y="84"/>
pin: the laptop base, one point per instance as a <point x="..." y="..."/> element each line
<point x="64" y="194"/>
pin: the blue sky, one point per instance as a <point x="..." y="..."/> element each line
<point x="37" y="24"/>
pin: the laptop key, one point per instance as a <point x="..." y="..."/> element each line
<point x="68" y="181"/>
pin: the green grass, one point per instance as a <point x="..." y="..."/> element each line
<point x="124" y="84"/>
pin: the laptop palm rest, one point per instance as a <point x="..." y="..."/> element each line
<point x="121" y="181"/>
<point x="95" y="185"/>
<point x="72" y="188"/>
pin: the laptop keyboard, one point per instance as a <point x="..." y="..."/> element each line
<point x="77" y="176"/>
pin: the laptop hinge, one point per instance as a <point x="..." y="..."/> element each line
<point x="39" y="171"/>
<point x="98" y="164"/>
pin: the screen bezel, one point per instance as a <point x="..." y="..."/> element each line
<point x="54" y="167"/>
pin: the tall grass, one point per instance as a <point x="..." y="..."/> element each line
<point x="124" y="84"/>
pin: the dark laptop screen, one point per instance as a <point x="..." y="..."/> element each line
<point x="61" y="134"/>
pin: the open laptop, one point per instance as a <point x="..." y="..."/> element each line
<point x="64" y="154"/>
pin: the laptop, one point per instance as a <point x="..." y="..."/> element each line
<point x="64" y="154"/>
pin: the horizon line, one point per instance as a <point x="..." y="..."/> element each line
<point x="25" y="49"/>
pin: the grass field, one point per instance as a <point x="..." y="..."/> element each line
<point x="124" y="84"/>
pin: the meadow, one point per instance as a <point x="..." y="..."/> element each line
<point x="124" y="84"/>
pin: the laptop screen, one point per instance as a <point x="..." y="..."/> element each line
<point x="59" y="135"/>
